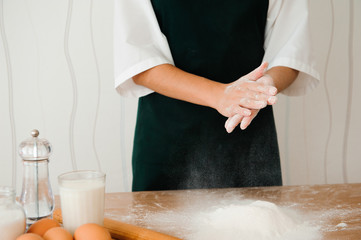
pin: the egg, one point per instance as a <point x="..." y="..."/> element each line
<point x="57" y="233"/>
<point x="40" y="227"/>
<point x="91" y="231"/>
<point x="29" y="236"/>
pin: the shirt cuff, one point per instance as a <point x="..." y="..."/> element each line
<point x="124" y="83"/>
<point x="307" y="79"/>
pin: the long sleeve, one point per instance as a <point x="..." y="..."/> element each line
<point x="288" y="43"/>
<point x="138" y="44"/>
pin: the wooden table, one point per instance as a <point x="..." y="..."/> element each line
<point x="335" y="209"/>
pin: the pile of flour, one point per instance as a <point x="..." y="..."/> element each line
<point x="227" y="218"/>
<point x="252" y="220"/>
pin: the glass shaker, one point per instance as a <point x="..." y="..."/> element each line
<point x="12" y="216"/>
<point x="36" y="196"/>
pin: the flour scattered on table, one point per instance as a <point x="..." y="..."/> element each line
<point x="341" y="225"/>
<point x="255" y="220"/>
<point x="230" y="219"/>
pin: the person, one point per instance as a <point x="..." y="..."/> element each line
<point x="201" y="68"/>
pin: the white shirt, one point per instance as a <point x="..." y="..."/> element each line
<point x="139" y="44"/>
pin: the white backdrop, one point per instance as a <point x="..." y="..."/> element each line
<point x="56" y="75"/>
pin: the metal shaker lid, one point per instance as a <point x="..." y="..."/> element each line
<point x="35" y="148"/>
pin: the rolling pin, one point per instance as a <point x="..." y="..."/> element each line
<point x="124" y="231"/>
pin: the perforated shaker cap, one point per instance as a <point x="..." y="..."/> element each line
<point x="35" y="148"/>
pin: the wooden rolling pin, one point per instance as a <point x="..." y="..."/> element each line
<point x="124" y="231"/>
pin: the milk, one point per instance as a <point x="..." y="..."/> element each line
<point x="12" y="224"/>
<point x="82" y="201"/>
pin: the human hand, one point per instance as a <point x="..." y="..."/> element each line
<point x="245" y="94"/>
<point x="244" y="120"/>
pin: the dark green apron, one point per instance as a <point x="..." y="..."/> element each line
<point x="179" y="145"/>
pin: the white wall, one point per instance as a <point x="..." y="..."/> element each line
<point x="319" y="133"/>
<point x="56" y="75"/>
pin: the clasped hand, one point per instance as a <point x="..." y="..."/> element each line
<point x="242" y="99"/>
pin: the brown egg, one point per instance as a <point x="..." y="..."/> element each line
<point x="29" y="236"/>
<point x="57" y="233"/>
<point x="91" y="231"/>
<point x="40" y="227"/>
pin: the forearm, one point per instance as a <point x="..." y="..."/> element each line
<point x="175" y="83"/>
<point x="282" y="77"/>
<point x="237" y="97"/>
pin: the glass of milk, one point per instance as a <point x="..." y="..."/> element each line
<point x="82" y="196"/>
<point x="12" y="215"/>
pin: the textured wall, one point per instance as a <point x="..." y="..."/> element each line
<point x="319" y="133"/>
<point x="56" y="75"/>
